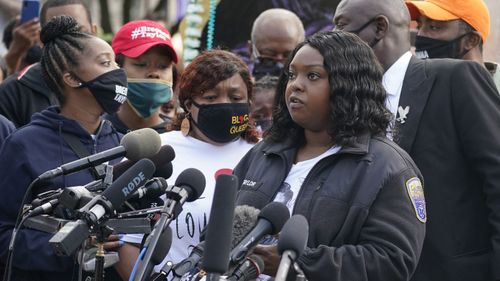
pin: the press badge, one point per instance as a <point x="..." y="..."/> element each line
<point x="416" y="194"/>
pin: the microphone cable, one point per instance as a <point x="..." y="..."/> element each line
<point x="19" y="222"/>
<point x="136" y="264"/>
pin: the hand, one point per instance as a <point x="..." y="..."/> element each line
<point x="112" y="242"/>
<point x="271" y="257"/>
<point x="25" y="35"/>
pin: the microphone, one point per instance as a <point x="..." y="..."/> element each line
<point x="72" y="234"/>
<point x="162" y="160"/>
<point x="291" y="244"/>
<point x="189" y="186"/>
<point x="244" y="220"/>
<point x="271" y="219"/>
<point x="163" y="246"/>
<point x="152" y="189"/>
<point x="134" y="145"/>
<point x="250" y="269"/>
<point x="219" y="230"/>
<point x="44" y="208"/>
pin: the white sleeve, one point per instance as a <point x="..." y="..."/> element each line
<point x="132" y="238"/>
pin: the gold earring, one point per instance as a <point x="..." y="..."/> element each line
<point x="185" y="125"/>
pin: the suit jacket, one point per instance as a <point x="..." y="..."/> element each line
<point x="452" y="132"/>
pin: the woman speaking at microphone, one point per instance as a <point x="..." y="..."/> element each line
<point x="326" y="157"/>
<point x="81" y="70"/>
<point x="214" y="91"/>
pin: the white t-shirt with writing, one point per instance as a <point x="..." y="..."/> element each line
<point x="290" y="188"/>
<point x="211" y="160"/>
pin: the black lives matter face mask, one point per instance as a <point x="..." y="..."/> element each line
<point x="109" y="89"/>
<point x="222" y="122"/>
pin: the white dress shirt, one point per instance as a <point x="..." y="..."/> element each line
<point x="393" y="83"/>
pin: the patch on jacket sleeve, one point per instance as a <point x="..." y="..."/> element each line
<point x="416" y="194"/>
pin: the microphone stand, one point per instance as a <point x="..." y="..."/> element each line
<point x="101" y="234"/>
<point x="169" y="211"/>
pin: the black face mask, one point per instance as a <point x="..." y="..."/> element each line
<point x="266" y="66"/>
<point x="429" y="48"/>
<point x="109" y="89"/>
<point x="357" y="31"/>
<point x="222" y="122"/>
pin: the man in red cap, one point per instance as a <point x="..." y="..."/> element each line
<point x="452" y="29"/>
<point x="144" y="50"/>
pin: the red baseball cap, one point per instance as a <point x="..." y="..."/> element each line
<point x="136" y="37"/>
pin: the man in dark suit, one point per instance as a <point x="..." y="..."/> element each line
<point x="448" y="119"/>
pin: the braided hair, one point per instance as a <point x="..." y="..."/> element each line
<point x="63" y="45"/>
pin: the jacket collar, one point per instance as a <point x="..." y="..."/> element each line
<point x="360" y="146"/>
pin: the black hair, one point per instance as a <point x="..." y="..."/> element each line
<point x="357" y="96"/>
<point x="7" y="33"/>
<point x="466" y="28"/>
<point x="58" y="3"/>
<point x="63" y="45"/>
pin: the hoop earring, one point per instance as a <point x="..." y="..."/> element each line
<point x="185" y="125"/>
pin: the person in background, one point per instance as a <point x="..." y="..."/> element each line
<point x="25" y="93"/>
<point x="447" y="114"/>
<point x="261" y="110"/>
<point x="80" y="69"/>
<point x="453" y="29"/>
<point x="275" y="32"/>
<point x="144" y="50"/>
<point x="215" y="91"/>
<point x="327" y="158"/>
<point x="23" y="43"/>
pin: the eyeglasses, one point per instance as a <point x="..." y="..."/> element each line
<point x="266" y="59"/>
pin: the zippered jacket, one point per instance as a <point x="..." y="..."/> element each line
<point x="364" y="205"/>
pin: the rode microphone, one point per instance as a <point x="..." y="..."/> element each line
<point x="271" y="219"/>
<point x="72" y="234"/>
<point x="134" y="145"/>
<point x="219" y="229"/>
<point x="189" y="186"/>
<point x="291" y="244"/>
<point x="250" y="269"/>
<point x="162" y="160"/>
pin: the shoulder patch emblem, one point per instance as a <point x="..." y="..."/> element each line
<point x="416" y="194"/>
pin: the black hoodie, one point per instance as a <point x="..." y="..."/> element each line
<point x="25" y="93"/>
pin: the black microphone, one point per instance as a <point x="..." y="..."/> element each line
<point x="152" y="189"/>
<point x="69" y="237"/>
<point x="189" y="186"/>
<point x="44" y="208"/>
<point x="291" y="244"/>
<point x="134" y="145"/>
<point x="161" y="249"/>
<point x="271" y="219"/>
<point x="162" y="160"/>
<point x="250" y="269"/>
<point x="219" y="230"/>
<point x="244" y="220"/>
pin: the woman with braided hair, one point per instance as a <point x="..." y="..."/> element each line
<point x="81" y="70"/>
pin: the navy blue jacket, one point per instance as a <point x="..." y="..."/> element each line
<point x="6" y="127"/>
<point x="26" y="154"/>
